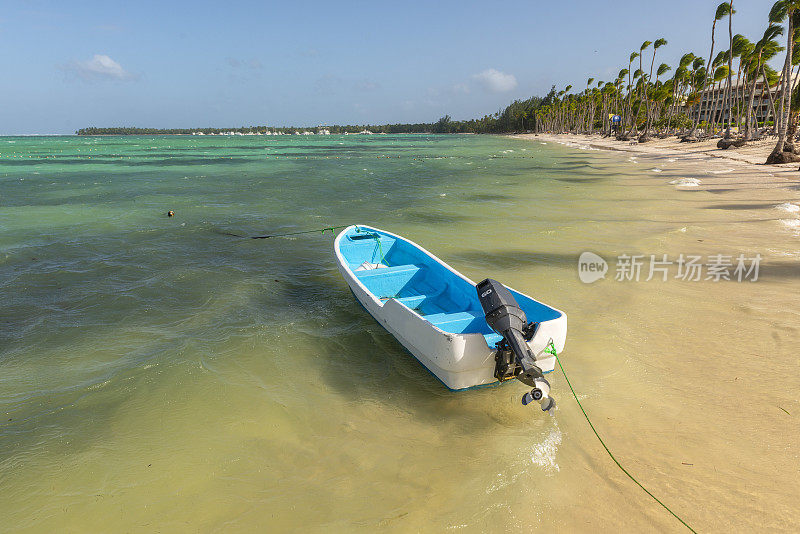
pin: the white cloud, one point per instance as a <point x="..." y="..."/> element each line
<point x="495" y="81"/>
<point x="100" y="67"/>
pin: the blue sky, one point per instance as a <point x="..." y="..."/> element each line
<point x="185" y="64"/>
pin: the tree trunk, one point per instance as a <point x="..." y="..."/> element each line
<point x="647" y="96"/>
<point x="771" y="101"/>
<point x="785" y="96"/>
<point x="730" y="72"/>
<point x="740" y="85"/>
<point x="748" y="127"/>
<point x="712" y="119"/>
<point x="705" y="82"/>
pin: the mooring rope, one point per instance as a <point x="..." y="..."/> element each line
<point x="374" y="235"/>
<point x="323" y="230"/>
<point x="551" y="349"/>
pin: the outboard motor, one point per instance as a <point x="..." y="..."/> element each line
<point x="513" y="358"/>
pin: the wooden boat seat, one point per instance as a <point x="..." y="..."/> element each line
<point x="454" y="321"/>
<point x="388" y="271"/>
<point x="464" y="322"/>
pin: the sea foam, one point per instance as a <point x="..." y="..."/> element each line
<point x="686" y="182"/>
<point x="544" y="453"/>
<point x="788" y="206"/>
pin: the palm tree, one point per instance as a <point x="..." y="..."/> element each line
<point x="772" y="79"/>
<point x="634" y="86"/>
<point x="784" y="9"/>
<point x="764" y="50"/>
<point x="633" y="56"/>
<point x="718" y="74"/>
<point x="585" y="112"/>
<point x="682" y="78"/>
<point x="656" y="45"/>
<point x="742" y="48"/>
<point x="640" y="85"/>
<point x="719" y="14"/>
<point x="731" y="11"/>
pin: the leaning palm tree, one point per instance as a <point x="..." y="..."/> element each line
<point x="764" y="50"/>
<point x="781" y="10"/>
<point x="731" y="12"/>
<point x="635" y="105"/>
<point x="742" y="49"/>
<point x="664" y="92"/>
<point x="718" y="94"/>
<point x="719" y="14"/>
<point x="682" y="76"/>
<point x="641" y="89"/>
<point x="633" y="56"/>
<point x="772" y="79"/>
<point x="656" y="45"/>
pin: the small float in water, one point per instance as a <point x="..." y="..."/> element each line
<point x="466" y="334"/>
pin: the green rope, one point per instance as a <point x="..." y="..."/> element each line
<point x="551" y="349"/>
<point x="377" y="239"/>
<point x="323" y="230"/>
<point x="380" y="248"/>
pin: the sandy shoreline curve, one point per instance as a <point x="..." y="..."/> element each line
<point x="746" y="162"/>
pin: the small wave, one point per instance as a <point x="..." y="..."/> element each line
<point x="656" y="170"/>
<point x="791" y="223"/>
<point x="507" y="151"/>
<point x="788" y="206"/>
<point x="672" y="160"/>
<point x="686" y="182"/>
<point x="579" y="146"/>
<point x="542" y="143"/>
<point x="544" y="453"/>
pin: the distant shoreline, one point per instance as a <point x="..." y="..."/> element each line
<point x="226" y="135"/>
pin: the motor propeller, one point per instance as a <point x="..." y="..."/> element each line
<point x="514" y="358"/>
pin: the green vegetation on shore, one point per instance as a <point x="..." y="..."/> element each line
<point x="515" y="117"/>
<point x="701" y="99"/>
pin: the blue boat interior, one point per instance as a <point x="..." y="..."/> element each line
<point x="394" y="268"/>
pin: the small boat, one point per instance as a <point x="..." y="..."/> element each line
<point x="466" y="334"/>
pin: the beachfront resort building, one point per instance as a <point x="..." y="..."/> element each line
<point x="714" y="101"/>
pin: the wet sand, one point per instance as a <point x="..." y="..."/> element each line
<point x="700" y="394"/>
<point x="748" y="160"/>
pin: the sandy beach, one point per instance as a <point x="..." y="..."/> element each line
<point x="746" y="162"/>
<point x="703" y="345"/>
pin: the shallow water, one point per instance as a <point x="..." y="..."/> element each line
<point x="157" y="373"/>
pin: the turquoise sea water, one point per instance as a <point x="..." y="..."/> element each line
<point x="156" y="373"/>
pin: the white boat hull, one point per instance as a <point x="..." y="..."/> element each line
<point x="459" y="360"/>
